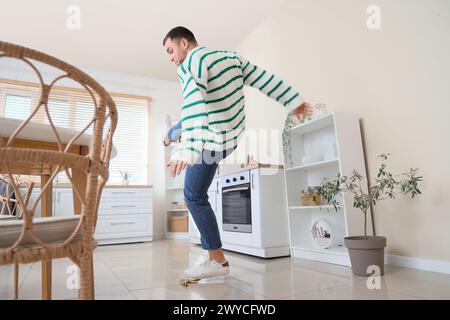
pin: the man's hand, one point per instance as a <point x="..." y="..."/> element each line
<point x="176" y="167"/>
<point x="305" y="109"/>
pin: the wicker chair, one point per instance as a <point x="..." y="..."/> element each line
<point x="31" y="238"/>
<point x="9" y="210"/>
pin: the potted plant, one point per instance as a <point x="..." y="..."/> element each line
<point x="365" y="251"/>
<point x="125" y="177"/>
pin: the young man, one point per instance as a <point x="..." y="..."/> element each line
<point x="212" y="121"/>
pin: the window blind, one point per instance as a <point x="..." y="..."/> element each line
<point x="74" y="110"/>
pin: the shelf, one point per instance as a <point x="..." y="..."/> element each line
<point x="175" y="188"/>
<point x="177" y="210"/>
<point x="314" y="165"/>
<point x="333" y="250"/>
<point x="336" y="255"/>
<point x="177" y="235"/>
<point x="313" y="207"/>
<point x="313" y="125"/>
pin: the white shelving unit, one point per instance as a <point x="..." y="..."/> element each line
<point x="174" y="192"/>
<point x="336" y="137"/>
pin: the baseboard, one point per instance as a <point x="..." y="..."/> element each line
<point x="418" y="263"/>
<point x="177" y="235"/>
<point x="160" y="236"/>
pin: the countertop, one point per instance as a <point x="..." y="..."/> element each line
<point x="68" y="185"/>
<point x="226" y="170"/>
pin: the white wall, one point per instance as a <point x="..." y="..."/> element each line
<point x="166" y="98"/>
<point x="397" y="79"/>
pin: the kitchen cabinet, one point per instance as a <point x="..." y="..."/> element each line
<point x="125" y="213"/>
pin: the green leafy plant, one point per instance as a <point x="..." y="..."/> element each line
<point x="387" y="186"/>
<point x="125" y="175"/>
<point x="286" y="135"/>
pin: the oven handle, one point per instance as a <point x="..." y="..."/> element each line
<point x="235" y="189"/>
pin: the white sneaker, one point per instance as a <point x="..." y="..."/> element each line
<point x="207" y="269"/>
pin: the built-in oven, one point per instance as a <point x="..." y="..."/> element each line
<point x="236" y="203"/>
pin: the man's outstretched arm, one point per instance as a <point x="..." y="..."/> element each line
<point x="275" y="88"/>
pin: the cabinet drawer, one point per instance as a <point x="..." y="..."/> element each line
<point x="116" y="193"/>
<point x="124" y="226"/>
<point x="138" y="205"/>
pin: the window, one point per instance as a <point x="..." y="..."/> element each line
<point x="17" y="107"/>
<point x="72" y="109"/>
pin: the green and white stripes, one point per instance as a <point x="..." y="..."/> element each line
<point x="213" y="110"/>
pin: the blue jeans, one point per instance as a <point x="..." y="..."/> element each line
<point x="196" y="184"/>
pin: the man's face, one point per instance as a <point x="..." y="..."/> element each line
<point x="177" y="50"/>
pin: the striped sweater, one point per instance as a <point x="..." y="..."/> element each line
<point x="213" y="111"/>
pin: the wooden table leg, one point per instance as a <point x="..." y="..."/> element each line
<point x="46" y="211"/>
<point x="16" y="281"/>
<point x="79" y="179"/>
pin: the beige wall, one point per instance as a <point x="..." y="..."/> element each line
<point x="397" y="79"/>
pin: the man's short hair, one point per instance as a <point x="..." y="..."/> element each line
<point x="179" y="33"/>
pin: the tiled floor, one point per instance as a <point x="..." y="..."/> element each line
<point x="151" y="270"/>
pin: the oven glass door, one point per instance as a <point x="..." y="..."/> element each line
<point x="236" y="208"/>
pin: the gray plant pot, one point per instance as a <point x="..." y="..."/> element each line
<point x="365" y="252"/>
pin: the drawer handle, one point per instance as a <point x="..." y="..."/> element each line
<point x="123" y="206"/>
<point x="120" y="223"/>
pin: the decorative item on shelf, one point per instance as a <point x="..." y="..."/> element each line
<point x="297" y="119"/>
<point x="321" y="233"/>
<point x="179" y="224"/>
<point x="311" y="197"/>
<point x="326" y="235"/>
<point x="364" y="250"/>
<point x="250" y="160"/>
<point x="320" y="109"/>
<point x="175" y="205"/>
<point x="125" y="177"/>
<point x="312" y="158"/>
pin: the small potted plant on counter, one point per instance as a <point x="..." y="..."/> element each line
<point x="125" y="177"/>
<point x="365" y="251"/>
